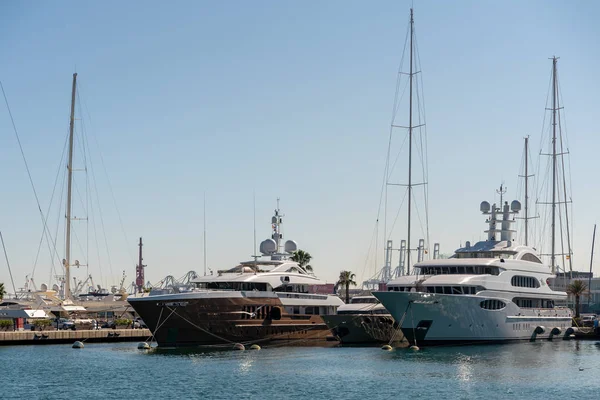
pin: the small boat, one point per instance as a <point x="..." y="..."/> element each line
<point x="363" y="321"/>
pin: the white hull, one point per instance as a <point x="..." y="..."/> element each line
<point x="447" y="319"/>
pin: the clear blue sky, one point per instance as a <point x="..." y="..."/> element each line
<point x="289" y="100"/>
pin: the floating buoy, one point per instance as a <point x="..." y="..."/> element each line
<point x="239" y="346"/>
<point x="255" y="347"/>
<point x="78" y="345"/>
<point x="143" y="346"/>
<point x="386" y="347"/>
<point x="415" y="348"/>
<point x="581" y="369"/>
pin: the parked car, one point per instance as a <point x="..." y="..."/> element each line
<point x="64" y="323"/>
<point x="109" y="324"/>
<point x="588" y="319"/>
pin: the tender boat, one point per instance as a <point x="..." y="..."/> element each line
<point x="493" y="291"/>
<point x="363" y="321"/>
<point x="258" y="301"/>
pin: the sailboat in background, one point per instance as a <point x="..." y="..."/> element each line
<point x="65" y="297"/>
<point x="559" y="198"/>
<point x="365" y="320"/>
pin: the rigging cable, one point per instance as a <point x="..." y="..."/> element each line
<point x="48" y="216"/>
<point x="27" y="168"/>
<point x="8" y="264"/>
<point x="128" y="248"/>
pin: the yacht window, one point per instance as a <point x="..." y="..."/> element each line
<point x="439" y="289"/>
<point x="524" y="281"/>
<point x="366" y="300"/>
<point x="456" y="290"/>
<point x="492" y="305"/>
<point x="430" y="289"/>
<point x="531" y="257"/>
<point x="447" y="290"/>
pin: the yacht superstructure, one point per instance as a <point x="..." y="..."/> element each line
<point x="254" y="302"/>
<point x="493" y="291"/>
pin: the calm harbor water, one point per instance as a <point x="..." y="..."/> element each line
<point x="549" y="370"/>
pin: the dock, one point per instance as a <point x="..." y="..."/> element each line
<point x="69" y="336"/>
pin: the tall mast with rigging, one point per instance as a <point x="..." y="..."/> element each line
<point x="410" y="128"/>
<point x="556" y="193"/>
<point x="526" y="193"/>
<point x="526" y="218"/>
<point x="553" y="249"/>
<point x="67" y="260"/>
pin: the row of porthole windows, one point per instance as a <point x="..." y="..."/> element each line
<point x="525" y="281"/>
<point x="520" y="302"/>
<point x="439" y="289"/>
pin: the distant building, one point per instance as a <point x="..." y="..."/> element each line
<point x="327" y="288"/>
<point x="590" y="301"/>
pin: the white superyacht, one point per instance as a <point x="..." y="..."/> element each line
<point x="492" y="291"/>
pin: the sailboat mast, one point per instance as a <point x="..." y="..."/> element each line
<point x="526" y="192"/>
<point x="204" y="232"/>
<point x="410" y="127"/>
<point x="591" y="262"/>
<point x="67" y="261"/>
<point x="553" y="252"/>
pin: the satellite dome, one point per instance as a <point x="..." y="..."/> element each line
<point x="515" y="205"/>
<point x="268" y="247"/>
<point x="290" y="246"/>
<point x="484" y="207"/>
<point x="55" y="287"/>
<point x="44" y="287"/>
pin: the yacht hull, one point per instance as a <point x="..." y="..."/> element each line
<point x="189" y="319"/>
<point x="363" y="329"/>
<point x="438" y="319"/>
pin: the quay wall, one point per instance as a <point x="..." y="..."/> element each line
<point x="69" y="336"/>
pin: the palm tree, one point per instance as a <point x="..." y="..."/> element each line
<point x="346" y="279"/>
<point x="576" y="288"/>
<point x="2" y="291"/>
<point x="302" y="258"/>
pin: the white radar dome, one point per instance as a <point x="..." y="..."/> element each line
<point x="290" y="246"/>
<point x="484" y="207"/>
<point x="44" y="287"/>
<point x="55" y="287"/>
<point x="515" y="205"/>
<point x="268" y="246"/>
